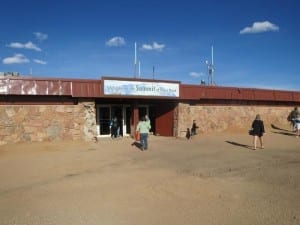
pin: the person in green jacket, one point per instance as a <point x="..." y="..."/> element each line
<point x="144" y="127"/>
<point x="292" y="117"/>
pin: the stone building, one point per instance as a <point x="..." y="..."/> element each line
<point x="45" y="109"/>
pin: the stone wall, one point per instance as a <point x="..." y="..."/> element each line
<point x="47" y="122"/>
<point x="78" y="122"/>
<point x="227" y="118"/>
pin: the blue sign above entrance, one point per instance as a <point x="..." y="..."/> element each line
<point x="141" y="88"/>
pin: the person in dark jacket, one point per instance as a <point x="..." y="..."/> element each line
<point x="258" y="129"/>
<point x="188" y="134"/>
<point x="194" y="128"/>
<point x="114" y="127"/>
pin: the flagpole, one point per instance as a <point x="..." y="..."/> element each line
<point x="139" y="69"/>
<point x="134" y="59"/>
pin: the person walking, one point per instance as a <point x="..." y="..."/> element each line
<point x="114" y="127"/>
<point x="194" y="128"/>
<point x="292" y="118"/>
<point x="188" y="134"/>
<point x="144" y="127"/>
<point x="258" y="129"/>
<point x="297" y="125"/>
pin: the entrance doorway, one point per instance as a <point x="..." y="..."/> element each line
<point x="124" y="115"/>
<point x="105" y="113"/>
<point x="103" y="121"/>
<point x="161" y="118"/>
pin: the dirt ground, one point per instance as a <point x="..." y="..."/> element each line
<point x="209" y="180"/>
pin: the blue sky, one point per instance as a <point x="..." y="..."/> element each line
<point x="256" y="43"/>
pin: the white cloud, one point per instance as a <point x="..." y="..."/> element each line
<point x="196" y="74"/>
<point x="16" y="59"/>
<point x="259" y="27"/>
<point x="40" y="61"/>
<point x="115" y="42"/>
<point x="28" y="45"/>
<point x="147" y="47"/>
<point x="155" y="47"/>
<point x="40" y="36"/>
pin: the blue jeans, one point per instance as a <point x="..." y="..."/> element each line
<point x="144" y="140"/>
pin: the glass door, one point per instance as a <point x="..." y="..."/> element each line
<point x="104" y="120"/>
<point x="117" y="112"/>
<point x="128" y="119"/>
<point x="105" y="113"/>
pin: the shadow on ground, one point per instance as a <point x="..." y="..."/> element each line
<point x="137" y="144"/>
<point x="239" y="144"/>
<point x="282" y="131"/>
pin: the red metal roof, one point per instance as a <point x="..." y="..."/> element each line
<point x="197" y="92"/>
<point x="50" y="86"/>
<point x="93" y="89"/>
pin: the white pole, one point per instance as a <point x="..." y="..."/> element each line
<point x="134" y="59"/>
<point x="212" y="55"/>
<point x="139" y="69"/>
<point x="212" y="64"/>
<point x="134" y="52"/>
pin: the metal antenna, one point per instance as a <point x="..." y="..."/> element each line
<point x="153" y="68"/>
<point x="212" y="55"/>
<point x="210" y="67"/>
<point x="135" y="60"/>
<point x="139" y="69"/>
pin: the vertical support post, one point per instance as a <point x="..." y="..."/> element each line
<point x="135" y="118"/>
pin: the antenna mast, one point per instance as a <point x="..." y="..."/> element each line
<point x="134" y="59"/>
<point x="210" y="67"/>
<point x="153" y="70"/>
<point x="139" y="69"/>
<point x="212" y="55"/>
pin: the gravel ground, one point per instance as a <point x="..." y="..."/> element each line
<point x="209" y="180"/>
